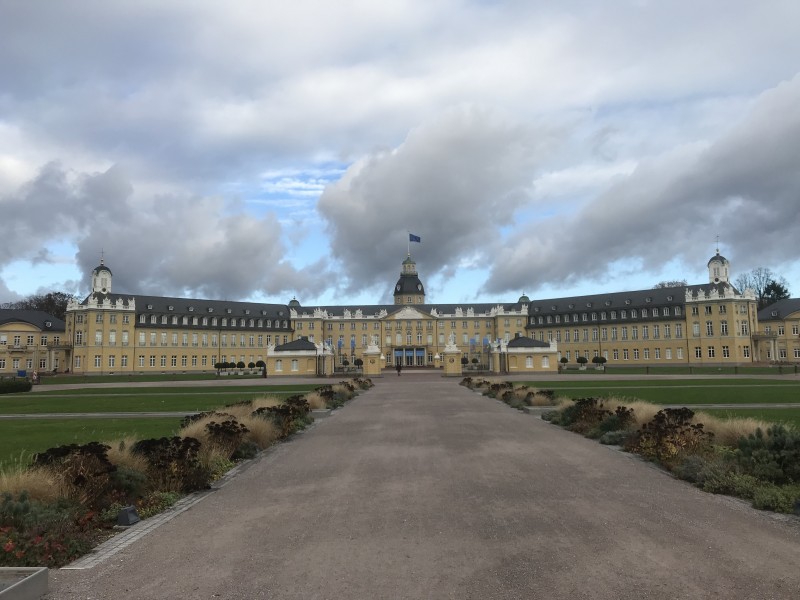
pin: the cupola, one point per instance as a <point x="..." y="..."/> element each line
<point x="409" y="289"/>
<point x="718" y="269"/>
<point x="101" y="279"/>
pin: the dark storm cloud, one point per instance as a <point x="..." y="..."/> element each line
<point x="744" y="186"/>
<point x="455" y="181"/>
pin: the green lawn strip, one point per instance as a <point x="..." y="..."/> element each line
<point x="717" y="382"/>
<point x="786" y="416"/>
<point x="687" y="393"/>
<point x="121" y="378"/>
<point x="697" y="370"/>
<point x="131" y="401"/>
<point x="20" y="439"/>
<point x="123" y="389"/>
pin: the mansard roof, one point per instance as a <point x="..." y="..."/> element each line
<point x="38" y="318"/>
<point x="779" y="310"/>
<point x="612" y="300"/>
<point x="373" y="310"/>
<point x="296" y="345"/>
<point x="526" y="342"/>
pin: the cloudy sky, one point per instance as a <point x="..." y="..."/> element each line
<point x="264" y="150"/>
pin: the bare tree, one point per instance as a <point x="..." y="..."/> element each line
<point x="768" y="286"/>
<point x="53" y="303"/>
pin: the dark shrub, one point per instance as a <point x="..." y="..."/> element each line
<point x="782" y="499"/>
<point x="773" y="457"/>
<point x="85" y="468"/>
<point x="226" y="435"/>
<point x="585" y="414"/>
<point x="13" y="386"/>
<point x="173" y="463"/>
<point x="247" y="449"/>
<point x="615" y="438"/>
<point x="670" y="436"/>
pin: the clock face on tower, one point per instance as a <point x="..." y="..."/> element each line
<point x="419" y="287"/>
<point x="398" y="287"/>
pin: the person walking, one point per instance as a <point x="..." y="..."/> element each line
<point x="399" y="368"/>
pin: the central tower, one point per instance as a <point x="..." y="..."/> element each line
<point x="409" y="289"/>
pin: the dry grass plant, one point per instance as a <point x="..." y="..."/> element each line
<point x="261" y="432"/>
<point x="120" y="455"/>
<point x="728" y="430"/>
<point x="41" y="484"/>
<point x="540" y="400"/>
<point x="340" y="388"/>
<point x="643" y="412"/>
<point x="316" y="401"/>
<point x="197" y="429"/>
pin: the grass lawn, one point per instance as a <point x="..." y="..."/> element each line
<point x="700" y="391"/>
<point x="778" y="415"/>
<point x="122" y="378"/>
<point x="138" y="399"/>
<point x="20" y="439"/>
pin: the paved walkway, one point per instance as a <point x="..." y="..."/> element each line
<point x="422" y="489"/>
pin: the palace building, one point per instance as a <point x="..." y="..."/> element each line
<point x="709" y="324"/>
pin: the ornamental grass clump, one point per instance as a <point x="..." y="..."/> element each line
<point x="84" y="470"/>
<point x="40" y="484"/>
<point x="316" y="400"/>
<point x="728" y="431"/>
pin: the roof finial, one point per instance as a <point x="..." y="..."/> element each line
<point x="102" y="253"/>
<point x="717" y="243"/>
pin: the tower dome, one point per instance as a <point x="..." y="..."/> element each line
<point x="718" y="269"/>
<point x="101" y="279"/>
<point x="409" y="289"/>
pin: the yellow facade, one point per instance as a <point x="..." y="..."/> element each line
<point x="31" y="341"/>
<point x="707" y="324"/>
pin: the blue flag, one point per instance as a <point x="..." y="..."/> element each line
<point x="414" y="238"/>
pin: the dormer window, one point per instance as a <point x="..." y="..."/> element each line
<point x="228" y="310"/>
<point x="247" y="311"/>
<point x="211" y="310"/>
<point x="191" y="309"/>
<point x="170" y="308"/>
<point x="149" y="307"/>
<point x="648" y="299"/>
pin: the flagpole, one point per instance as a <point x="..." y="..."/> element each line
<point x="408" y="242"/>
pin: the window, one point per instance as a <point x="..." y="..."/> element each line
<point x="98" y="338"/>
<point x="711" y="352"/>
<point x="656" y="332"/>
<point x="112" y="361"/>
<point x="698" y="352"/>
<point x="2" y="363"/>
<point x="163" y="360"/>
<point x="43" y="340"/>
<point x="707" y="310"/>
<point x="97" y="359"/>
<point x="98" y="318"/>
<point x="279" y="365"/>
<point x="42" y="363"/>
<point x="613" y="333"/>
<point x="152" y="360"/>
<point x="745" y="329"/>
<point x="695" y="329"/>
<point x="695" y="311"/>
<point x="723" y="309"/>
<point x="624" y="354"/>
<point x="797" y="352"/>
<point x="726" y="352"/>
<point x="668" y="353"/>
<point x="173" y="361"/>
<point x="635" y="354"/>
<point x="294" y="364"/>
<point x="709" y="328"/>
<point x="746" y="351"/>
<point x="781" y="330"/>
<point x="723" y="328"/>
<point x="782" y="353"/>
<point x="667" y="332"/>
<point x="183" y="360"/>
<point x="678" y="330"/>
<point x="624" y="333"/>
<point x="615" y="354"/>
<point x="679" y="353"/>
<point x="635" y="332"/>
<point x="658" y="353"/>
<point x="77" y="362"/>
<point x="795" y="329"/>
<point x="528" y="362"/>
<point x="79" y="318"/>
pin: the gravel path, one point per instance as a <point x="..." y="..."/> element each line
<point x="423" y="489"/>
